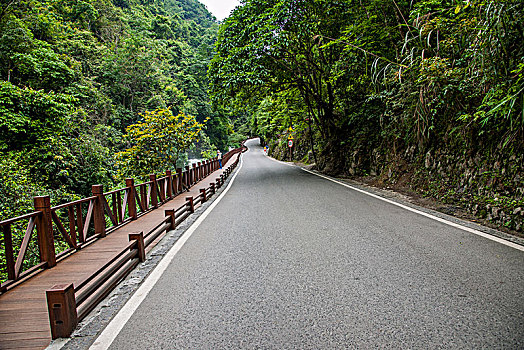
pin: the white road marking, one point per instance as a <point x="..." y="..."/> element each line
<point x="281" y="162"/>
<point x="108" y="335"/>
<point x="436" y="218"/>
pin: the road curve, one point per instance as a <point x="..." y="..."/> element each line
<point x="288" y="260"/>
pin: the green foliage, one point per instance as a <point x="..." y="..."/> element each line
<point x="219" y="130"/>
<point x="377" y="85"/>
<point x="264" y="48"/>
<point x="157" y="143"/>
<point x="16" y="187"/>
<point x="75" y="74"/>
<point x="27" y="115"/>
<point x="207" y="149"/>
<point x="377" y="72"/>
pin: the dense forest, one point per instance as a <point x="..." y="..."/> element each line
<point x="75" y="76"/>
<point x="425" y="96"/>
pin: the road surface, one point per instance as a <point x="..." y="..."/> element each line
<point x="289" y="260"/>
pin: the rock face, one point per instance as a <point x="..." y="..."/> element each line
<point x="488" y="187"/>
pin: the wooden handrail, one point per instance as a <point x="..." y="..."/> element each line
<point x="14" y="265"/>
<point x="19" y="218"/>
<point x="67" y="304"/>
<point x="82" y="221"/>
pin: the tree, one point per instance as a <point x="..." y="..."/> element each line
<point x="278" y="48"/>
<point x="156" y="142"/>
<point x="272" y="46"/>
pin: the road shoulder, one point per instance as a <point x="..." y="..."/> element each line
<point x="410" y="202"/>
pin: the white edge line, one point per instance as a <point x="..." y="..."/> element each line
<point x="281" y="162"/>
<point x="461" y="227"/>
<point x="108" y="335"/>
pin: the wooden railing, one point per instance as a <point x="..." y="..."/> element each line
<point x="61" y="230"/>
<point x="69" y="303"/>
<point x="14" y="263"/>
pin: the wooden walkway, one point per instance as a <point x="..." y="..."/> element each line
<point x="24" y="319"/>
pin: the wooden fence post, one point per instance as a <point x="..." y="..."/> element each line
<point x="9" y="256"/>
<point x="44" y="230"/>
<point x="179" y="185"/>
<point x="139" y="238"/>
<point x="61" y="305"/>
<point x="197" y="172"/>
<point x="213" y="189"/>
<point x="171" y="214"/>
<point x="191" y="204"/>
<point x="203" y="194"/>
<point x="154" y="191"/>
<point x="188" y="177"/>
<point x="169" y="184"/>
<point x="98" y="212"/>
<point x="183" y="184"/>
<point x="131" y="198"/>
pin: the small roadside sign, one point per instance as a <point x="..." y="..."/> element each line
<point x="290" y="143"/>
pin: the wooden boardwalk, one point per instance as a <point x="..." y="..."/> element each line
<point x="24" y="319"/>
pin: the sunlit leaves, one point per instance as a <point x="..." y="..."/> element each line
<point x="156" y="142"/>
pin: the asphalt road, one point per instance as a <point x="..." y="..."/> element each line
<point x="288" y="260"/>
